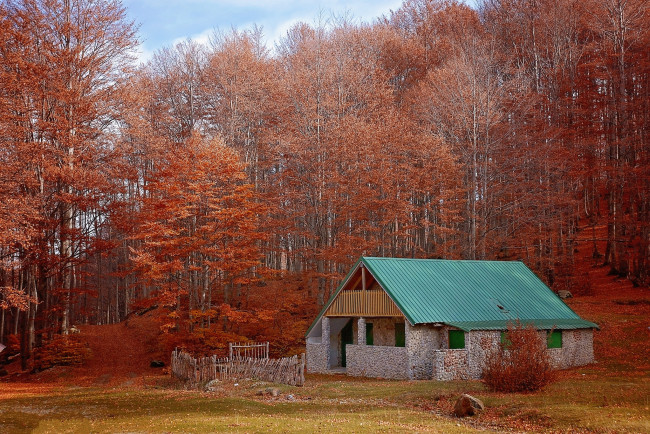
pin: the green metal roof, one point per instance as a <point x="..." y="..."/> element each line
<point x="483" y="295"/>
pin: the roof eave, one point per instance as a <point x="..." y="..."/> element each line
<point x="334" y="294"/>
<point x="540" y="324"/>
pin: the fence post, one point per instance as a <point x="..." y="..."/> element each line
<point x="302" y="369"/>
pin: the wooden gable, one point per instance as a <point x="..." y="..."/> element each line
<point x="363" y="296"/>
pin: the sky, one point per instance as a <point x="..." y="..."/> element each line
<point x="166" y="22"/>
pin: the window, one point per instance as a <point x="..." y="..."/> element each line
<point x="400" y="335"/>
<point x="369" y="335"/>
<point x="456" y="339"/>
<point x="505" y="342"/>
<point x="554" y="339"/>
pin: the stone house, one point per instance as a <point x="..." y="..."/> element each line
<point x="437" y="319"/>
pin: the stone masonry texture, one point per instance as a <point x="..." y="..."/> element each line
<point x="421" y="341"/>
<point x="377" y="361"/>
<point x="427" y="354"/>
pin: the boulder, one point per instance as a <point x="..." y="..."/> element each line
<point x="268" y="391"/>
<point x="467" y="405"/>
<point x="157" y="364"/>
<point x="564" y="294"/>
<point x="211" y="386"/>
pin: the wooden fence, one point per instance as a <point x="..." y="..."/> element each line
<point x="288" y="370"/>
<point x="252" y="350"/>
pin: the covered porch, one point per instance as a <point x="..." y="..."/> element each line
<point x="359" y="346"/>
<point x="361" y="332"/>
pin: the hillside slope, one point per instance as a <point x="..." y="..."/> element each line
<point x="622" y="345"/>
<point x="120" y="355"/>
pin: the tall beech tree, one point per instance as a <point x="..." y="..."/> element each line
<point x="198" y="232"/>
<point x="61" y="61"/>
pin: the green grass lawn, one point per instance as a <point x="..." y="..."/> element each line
<point x="576" y="402"/>
<point x="233" y="410"/>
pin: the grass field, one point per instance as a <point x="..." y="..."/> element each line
<point x="235" y="409"/>
<point x="577" y="402"/>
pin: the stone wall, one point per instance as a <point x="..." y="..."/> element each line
<point x="450" y="365"/>
<point x="467" y="363"/>
<point x="456" y="364"/>
<point x="426" y="355"/>
<point x="577" y="349"/>
<point x="421" y="341"/>
<point x="318" y="350"/>
<point x="317" y="358"/>
<point x="377" y="361"/>
<point x="479" y="343"/>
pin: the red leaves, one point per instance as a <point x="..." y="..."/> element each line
<point x="520" y="363"/>
<point x="196" y="233"/>
<point x="61" y="350"/>
<point x="14" y="298"/>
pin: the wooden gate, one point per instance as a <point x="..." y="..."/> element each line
<point x="248" y="350"/>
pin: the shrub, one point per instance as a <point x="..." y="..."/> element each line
<point x="13" y="344"/>
<point x="61" y="350"/>
<point x="520" y="363"/>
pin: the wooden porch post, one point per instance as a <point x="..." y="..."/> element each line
<point x="364" y="301"/>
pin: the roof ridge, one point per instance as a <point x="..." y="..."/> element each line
<point x="392" y="258"/>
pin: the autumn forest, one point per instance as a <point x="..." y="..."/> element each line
<point x="231" y="185"/>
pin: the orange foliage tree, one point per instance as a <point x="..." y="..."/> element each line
<point x="61" y="61"/>
<point x="198" y="249"/>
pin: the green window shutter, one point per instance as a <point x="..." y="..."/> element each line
<point x="369" y="336"/>
<point x="456" y="339"/>
<point x="554" y="339"/>
<point x="505" y="342"/>
<point x="400" y="335"/>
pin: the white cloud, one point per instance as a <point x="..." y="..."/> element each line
<point x="201" y="38"/>
<point x="142" y="55"/>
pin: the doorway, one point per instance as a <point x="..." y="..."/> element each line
<point x="347" y="337"/>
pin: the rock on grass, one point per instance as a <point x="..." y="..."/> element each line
<point x="467" y="405"/>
